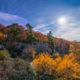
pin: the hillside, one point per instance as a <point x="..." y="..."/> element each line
<point x="29" y="55"/>
<point x="62" y="46"/>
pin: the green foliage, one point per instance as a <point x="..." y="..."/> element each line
<point x="47" y="67"/>
<point x="16" y="32"/>
<point x="17" y="69"/>
<point x="12" y="33"/>
<point x="51" y="41"/>
<point x="42" y="76"/>
<point x="21" y="71"/>
<point x="31" y="38"/>
<point x="30" y="28"/>
<point x="12" y="25"/>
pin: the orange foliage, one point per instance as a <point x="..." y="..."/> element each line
<point x="41" y="37"/>
<point x="66" y="67"/>
<point x="33" y="53"/>
<point x="22" y="31"/>
<point x="44" y="63"/>
<point x="16" y="33"/>
<point x="3" y="29"/>
<point x="2" y="35"/>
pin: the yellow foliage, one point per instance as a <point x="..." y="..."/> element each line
<point x="65" y="62"/>
<point x="68" y="67"/>
<point x="44" y="63"/>
<point x="4" y="55"/>
<point x="64" y="67"/>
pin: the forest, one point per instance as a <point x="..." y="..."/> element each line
<point x="29" y="55"/>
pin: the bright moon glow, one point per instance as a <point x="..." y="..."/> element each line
<point x="62" y="20"/>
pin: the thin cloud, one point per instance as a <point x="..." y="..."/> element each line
<point x="40" y="26"/>
<point x="9" y="18"/>
<point x="69" y="31"/>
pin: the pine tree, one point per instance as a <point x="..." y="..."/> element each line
<point x="30" y="28"/>
<point x="31" y="37"/>
<point x="51" y="41"/>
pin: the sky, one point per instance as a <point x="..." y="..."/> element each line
<point x="62" y="17"/>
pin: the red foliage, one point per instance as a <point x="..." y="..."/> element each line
<point x="23" y="32"/>
<point x="41" y="37"/>
<point x="3" y="29"/>
<point x="62" y="45"/>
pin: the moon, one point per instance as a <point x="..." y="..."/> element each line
<point x="62" y="20"/>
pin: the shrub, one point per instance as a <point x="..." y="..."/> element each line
<point x="61" y="68"/>
<point x="4" y="55"/>
<point x="44" y="66"/>
<point x="17" y="69"/>
<point x="67" y="67"/>
<point x="21" y="71"/>
<point x="42" y="76"/>
<point x="44" y="63"/>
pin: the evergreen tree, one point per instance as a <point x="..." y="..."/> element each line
<point x="51" y="41"/>
<point x="31" y="37"/>
<point x="30" y="28"/>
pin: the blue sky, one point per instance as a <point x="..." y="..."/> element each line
<point x="62" y="17"/>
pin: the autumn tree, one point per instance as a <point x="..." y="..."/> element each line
<point x="2" y="37"/>
<point x="3" y="29"/>
<point x="12" y="32"/>
<point x="16" y="32"/>
<point x="62" y="46"/>
<point x="3" y="33"/>
<point x="41" y="37"/>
